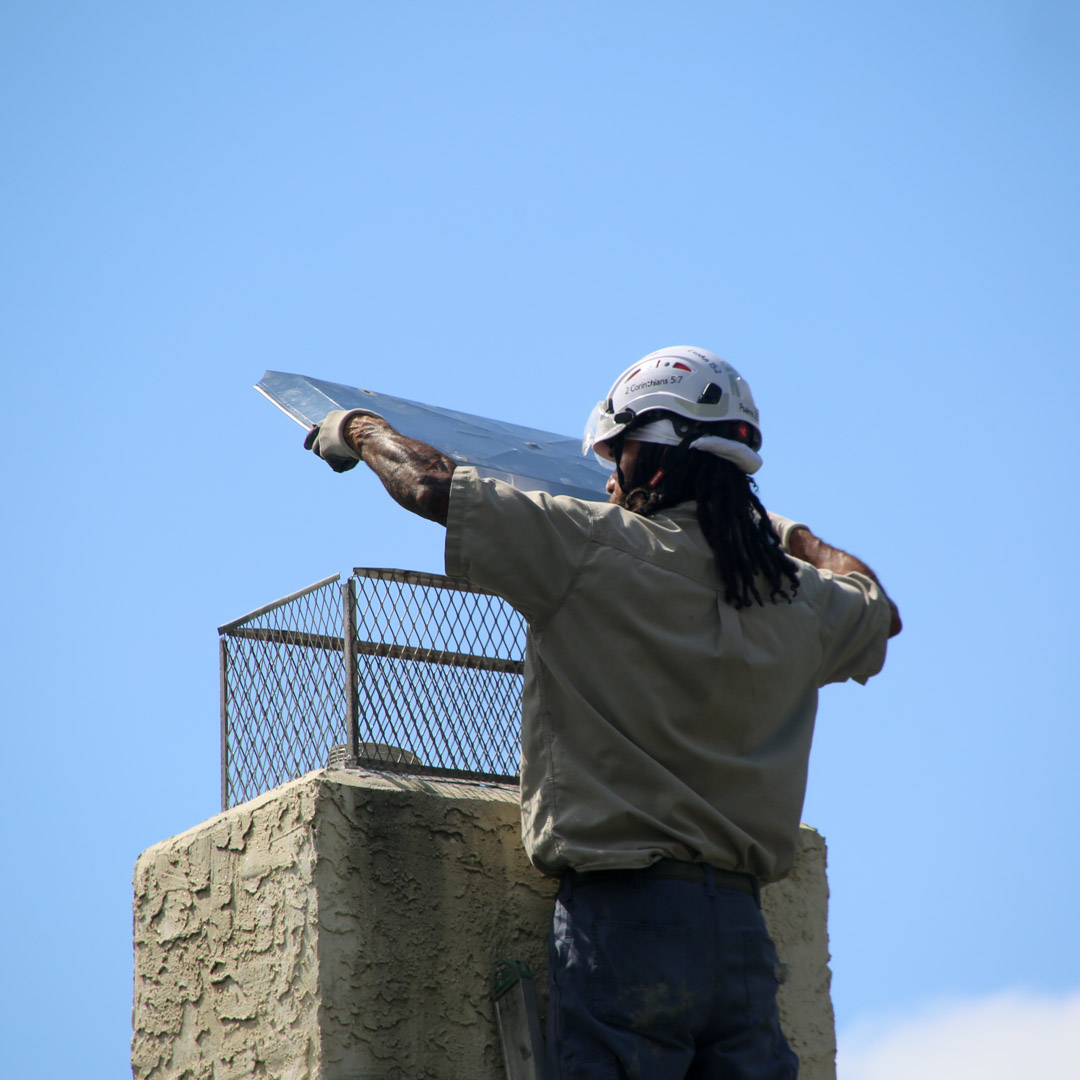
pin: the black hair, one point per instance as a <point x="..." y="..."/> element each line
<point x="731" y="516"/>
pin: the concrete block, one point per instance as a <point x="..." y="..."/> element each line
<point x="345" y="927"/>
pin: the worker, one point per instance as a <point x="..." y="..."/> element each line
<point x="678" y="635"/>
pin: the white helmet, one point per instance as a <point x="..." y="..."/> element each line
<point x="677" y="394"/>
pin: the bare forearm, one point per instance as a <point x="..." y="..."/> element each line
<point x="810" y="548"/>
<point x="806" y="546"/>
<point x="416" y="475"/>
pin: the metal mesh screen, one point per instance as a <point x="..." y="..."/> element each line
<point x="393" y="668"/>
<point x="439" y="671"/>
<point x="282" y="691"/>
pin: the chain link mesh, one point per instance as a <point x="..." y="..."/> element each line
<point x="438" y="672"/>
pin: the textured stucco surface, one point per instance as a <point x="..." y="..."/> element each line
<point x="796" y="910"/>
<point x="226" y="925"/>
<point x="346" y="925"/>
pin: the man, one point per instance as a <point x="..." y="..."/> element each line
<point x="677" y="638"/>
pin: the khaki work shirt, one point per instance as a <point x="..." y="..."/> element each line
<point x="657" y="721"/>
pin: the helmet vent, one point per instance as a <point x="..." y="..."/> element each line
<point x="710" y="395"/>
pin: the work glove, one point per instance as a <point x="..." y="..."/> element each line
<point x="327" y="439"/>
<point x="784" y="528"/>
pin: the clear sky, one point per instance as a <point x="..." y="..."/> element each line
<point x="869" y="209"/>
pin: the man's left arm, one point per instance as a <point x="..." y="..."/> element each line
<point x="797" y="539"/>
<point x="416" y="475"/>
<point x="803" y="544"/>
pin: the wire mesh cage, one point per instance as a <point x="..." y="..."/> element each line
<point x="392" y="669"/>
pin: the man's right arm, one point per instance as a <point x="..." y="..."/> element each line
<point x="803" y="544"/>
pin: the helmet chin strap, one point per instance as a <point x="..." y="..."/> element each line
<point x="672" y="459"/>
<point x="616" y="445"/>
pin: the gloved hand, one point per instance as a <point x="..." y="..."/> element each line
<point x="784" y="528"/>
<point x="327" y="439"/>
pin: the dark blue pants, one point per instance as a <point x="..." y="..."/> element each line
<point x="662" y="979"/>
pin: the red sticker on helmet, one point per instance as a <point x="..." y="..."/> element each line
<point x="682" y="367"/>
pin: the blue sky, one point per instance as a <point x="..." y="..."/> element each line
<point x="869" y="209"/>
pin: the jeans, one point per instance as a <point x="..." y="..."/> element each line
<point x="658" y="979"/>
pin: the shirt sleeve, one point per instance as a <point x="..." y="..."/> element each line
<point x="525" y="546"/>
<point x="855" y="620"/>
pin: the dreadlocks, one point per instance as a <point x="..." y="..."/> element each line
<point x="731" y="516"/>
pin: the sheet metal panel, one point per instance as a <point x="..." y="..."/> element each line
<point x="528" y="458"/>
